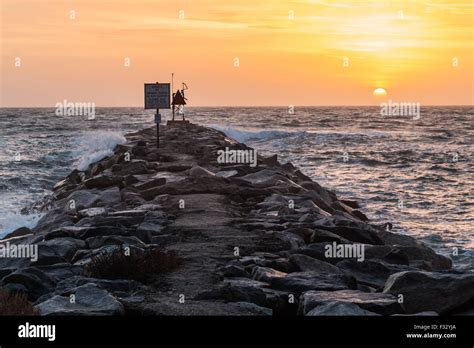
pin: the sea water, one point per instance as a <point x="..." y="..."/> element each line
<point x="416" y="173"/>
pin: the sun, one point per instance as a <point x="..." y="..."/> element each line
<point x="380" y="92"/>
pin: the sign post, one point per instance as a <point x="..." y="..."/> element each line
<point x="157" y="96"/>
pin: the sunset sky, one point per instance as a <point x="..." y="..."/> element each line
<point x="289" y="52"/>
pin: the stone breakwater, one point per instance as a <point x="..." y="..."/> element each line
<point x="251" y="240"/>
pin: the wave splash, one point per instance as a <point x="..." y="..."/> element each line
<point x="94" y="146"/>
<point x="11" y="221"/>
<point x="242" y="135"/>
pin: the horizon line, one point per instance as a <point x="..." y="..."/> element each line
<point x="241" y="106"/>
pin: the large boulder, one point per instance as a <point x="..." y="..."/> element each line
<point x="318" y="251"/>
<point x="198" y="171"/>
<point x="68" y="285"/>
<point x="243" y="290"/>
<point x="100" y="241"/>
<point x="109" y="197"/>
<point x="150" y="183"/>
<point x="264" y="178"/>
<point x="63" y="247"/>
<point x="90" y="300"/>
<point x="416" y="255"/>
<point x="370" y="272"/>
<point x="103" y="180"/>
<point x="431" y="291"/>
<point x="306" y="263"/>
<point x="299" y="282"/>
<point x="134" y="167"/>
<point x="355" y="231"/>
<point x="385" y="304"/>
<point x="36" y="282"/>
<point x="339" y="309"/>
<point x="19" y="232"/>
<point x="58" y="216"/>
<point x="61" y="271"/>
<point x="79" y="200"/>
<point x="266" y="274"/>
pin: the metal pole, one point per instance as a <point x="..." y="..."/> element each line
<point x="157" y="131"/>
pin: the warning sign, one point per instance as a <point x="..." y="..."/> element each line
<point x="157" y="96"/>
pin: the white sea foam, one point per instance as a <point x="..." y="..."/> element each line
<point x="94" y="146"/>
<point x="11" y="221"/>
<point x="243" y="135"/>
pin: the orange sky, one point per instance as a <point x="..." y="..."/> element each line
<point x="290" y="52"/>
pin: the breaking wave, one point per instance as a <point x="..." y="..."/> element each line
<point x="95" y="146"/>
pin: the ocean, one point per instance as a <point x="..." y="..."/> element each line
<point x="417" y="174"/>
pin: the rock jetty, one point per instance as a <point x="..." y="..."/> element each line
<point x="174" y="231"/>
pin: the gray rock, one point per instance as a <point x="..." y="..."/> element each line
<point x="33" y="279"/>
<point x="306" y="263"/>
<point x="134" y="167"/>
<point x="227" y="173"/>
<point x="355" y="231"/>
<point x="317" y="251"/>
<point x="63" y="247"/>
<point x="415" y="254"/>
<point x="89" y="300"/>
<point x="294" y="241"/>
<point x="198" y="171"/>
<point x="233" y="271"/>
<point x="243" y="290"/>
<point x="299" y="282"/>
<point x="255" y="308"/>
<point x="164" y="239"/>
<point x="371" y="273"/>
<point x="431" y="291"/>
<point x="68" y="285"/>
<point x="52" y="219"/>
<point x="140" y="211"/>
<point x="117" y="222"/>
<point x="19" y="232"/>
<point x="320" y="236"/>
<point x="387" y="253"/>
<point x="103" y="180"/>
<point x="339" y="309"/>
<point x="264" y="178"/>
<point x="109" y="197"/>
<point x="61" y="271"/>
<point x="151" y="183"/>
<point x="84" y="232"/>
<point x="280" y="264"/>
<point x="91" y="212"/>
<point x="266" y="274"/>
<point x="100" y="241"/>
<point x="421" y="314"/>
<point x="150" y="227"/>
<point x="82" y="199"/>
<point x="425" y="258"/>
<point x="385" y="304"/>
<point x="48" y="255"/>
<point x="13" y="263"/>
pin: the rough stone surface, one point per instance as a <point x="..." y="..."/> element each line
<point x="243" y="249"/>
